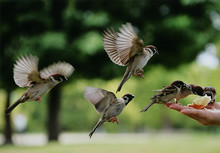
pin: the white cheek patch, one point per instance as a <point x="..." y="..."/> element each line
<point x="125" y="99"/>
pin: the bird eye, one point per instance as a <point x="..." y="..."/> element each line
<point x="125" y="98"/>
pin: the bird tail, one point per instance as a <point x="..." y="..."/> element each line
<point x="96" y="126"/>
<point x="148" y="106"/>
<point x="10" y="108"/>
<point x="126" y="76"/>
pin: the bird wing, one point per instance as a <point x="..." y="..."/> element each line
<point x="167" y="90"/>
<point x="109" y="42"/>
<point x="100" y="98"/>
<point x="123" y="45"/>
<point x="26" y="71"/>
<point x="127" y="43"/>
<point x="62" y="68"/>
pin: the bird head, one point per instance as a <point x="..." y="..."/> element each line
<point x="151" y="49"/>
<point x="197" y="90"/>
<point x="210" y="91"/>
<point x="127" y="98"/>
<point x="57" y="78"/>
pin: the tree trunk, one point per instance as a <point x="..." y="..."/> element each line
<point x="8" y="129"/>
<point x="53" y="113"/>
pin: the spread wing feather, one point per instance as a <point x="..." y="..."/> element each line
<point x="109" y="42"/>
<point x="122" y="46"/>
<point x="62" y="68"/>
<point x="26" y="71"/>
<point x="100" y="98"/>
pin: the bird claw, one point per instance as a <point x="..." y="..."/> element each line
<point x="38" y="99"/>
<point x="139" y="73"/>
<point x="113" y="119"/>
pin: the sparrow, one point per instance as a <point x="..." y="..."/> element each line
<point x="106" y="104"/>
<point x="176" y="90"/>
<point x="210" y="91"/>
<point x="26" y="74"/>
<point x="124" y="48"/>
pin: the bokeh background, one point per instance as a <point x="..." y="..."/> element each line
<point x="185" y="32"/>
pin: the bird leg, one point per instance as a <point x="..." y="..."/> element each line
<point x="37" y="99"/>
<point x="113" y="119"/>
<point x="139" y="73"/>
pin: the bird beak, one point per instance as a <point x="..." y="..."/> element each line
<point x="65" y="78"/>
<point x="156" y="51"/>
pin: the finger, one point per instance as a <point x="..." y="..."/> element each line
<point x="204" y="116"/>
<point x="215" y="105"/>
<point x="190" y="113"/>
<point x="177" y="107"/>
<point x="195" y="113"/>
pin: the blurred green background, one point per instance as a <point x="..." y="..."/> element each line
<point x="185" y="32"/>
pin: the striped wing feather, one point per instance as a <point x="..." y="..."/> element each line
<point x="100" y="98"/>
<point x="109" y="42"/>
<point x="62" y="68"/>
<point x="26" y="71"/>
<point x="128" y="43"/>
<point x="122" y="46"/>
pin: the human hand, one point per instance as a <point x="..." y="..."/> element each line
<point x="210" y="115"/>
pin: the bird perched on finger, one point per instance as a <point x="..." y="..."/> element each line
<point x="176" y="90"/>
<point x="26" y="74"/>
<point x="124" y="48"/>
<point x="210" y="91"/>
<point x="106" y="104"/>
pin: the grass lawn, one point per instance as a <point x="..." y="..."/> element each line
<point x="168" y="143"/>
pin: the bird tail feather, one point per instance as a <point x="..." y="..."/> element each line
<point x="96" y="126"/>
<point x="10" y="108"/>
<point x="148" y="106"/>
<point x="126" y="76"/>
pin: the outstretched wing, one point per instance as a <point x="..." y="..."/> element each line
<point x="26" y="71"/>
<point x="100" y="98"/>
<point x="109" y="42"/>
<point x="62" y="68"/>
<point x="128" y="43"/>
<point x="123" y="45"/>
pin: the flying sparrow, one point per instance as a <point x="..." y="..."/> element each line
<point x="124" y="48"/>
<point x="106" y="103"/>
<point x="26" y="74"/>
<point x="210" y="91"/>
<point x="176" y="90"/>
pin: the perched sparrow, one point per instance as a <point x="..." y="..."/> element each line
<point x="210" y="91"/>
<point x="176" y="90"/>
<point x="38" y="83"/>
<point x="126" y="49"/>
<point x="106" y="103"/>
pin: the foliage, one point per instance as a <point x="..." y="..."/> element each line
<point x="71" y="31"/>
